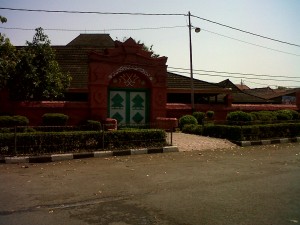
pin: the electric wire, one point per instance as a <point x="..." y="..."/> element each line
<point x="93" y="30"/>
<point x="172" y="14"/>
<point x="232" y="73"/>
<point x="241" y="77"/>
<point x="144" y="28"/>
<point x="246" y="42"/>
<point x="247" y="32"/>
<point x="94" y="12"/>
<point x="267" y="85"/>
<point x="149" y="14"/>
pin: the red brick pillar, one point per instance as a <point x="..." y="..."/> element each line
<point x="228" y="100"/>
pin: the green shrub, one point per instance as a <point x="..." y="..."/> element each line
<point x="91" y="125"/>
<point x="284" y="114"/>
<point x="250" y="132"/>
<point x="296" y="115"/>
<point x="238" y="117"/>
<point x="192" y="129"/>
<point x="200" y="116"/>
<point x="187" y="119"/>
<point x="265" y="116"/>
<point x="55" y="119"/>
<point x="223" y="131"/>
<point x="6" y="121"/>
<point x="11" y="121"/>
<point x="50" y="142"/>
<point x="210" y="114"/>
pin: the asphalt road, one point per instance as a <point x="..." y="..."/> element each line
<point x="251" y="185"/>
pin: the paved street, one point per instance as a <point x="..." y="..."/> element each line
<point x="251" y="185"/>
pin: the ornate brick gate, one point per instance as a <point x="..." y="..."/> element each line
<point x="128" y="84"/>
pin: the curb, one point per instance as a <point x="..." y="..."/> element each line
<point x="96" y="154"/>
<point x="267" y="142"/>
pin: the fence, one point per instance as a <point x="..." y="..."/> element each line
<point x="31" y="140"/>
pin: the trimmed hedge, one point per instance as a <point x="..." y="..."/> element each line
<point x="187" y="119"/>
<point x="91" y="125"/>
<point x="238" y="117"/>
<point x="11" y="121"/>
<point x="193" y="129"/>
<point x="55" y="119"/>
<point x="284" y="114"/>
<point x="223" y="131"/>
<point x="249" y="132"/>
<point x="210" y="114"/>
<point x="200" y="116"/>
<point x="262" y="117"/>
<point x="54" y="142"/>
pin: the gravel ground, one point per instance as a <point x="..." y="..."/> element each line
<point x="190" y="142"/>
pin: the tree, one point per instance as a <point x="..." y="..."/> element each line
<point x="8" y="57"/>
<point x="3" y="19"/>
<point x="37" y="74"/>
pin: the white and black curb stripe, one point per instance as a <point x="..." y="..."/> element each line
<point x="97" y="154"/>
<point x="267" y="142"/>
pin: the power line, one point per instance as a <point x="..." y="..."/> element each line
<point x="247" y="32"/>
<point x="143" y="28"/>
<point x="94" y="12"/>
<point x="261" y="46"/>
<point x="240" y="77"/>
<point x="232" y="73"/>
<point x="93" y="30"/>
<point x="268" y="84"/>
<point x="148" y="14"/>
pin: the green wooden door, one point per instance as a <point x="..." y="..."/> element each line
<point x="128" y="106"/>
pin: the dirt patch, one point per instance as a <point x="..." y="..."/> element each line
<point x="190" y="142"/>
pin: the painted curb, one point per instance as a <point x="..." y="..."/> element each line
<point x="83" y="155"/>
<point x="267" y="142"/>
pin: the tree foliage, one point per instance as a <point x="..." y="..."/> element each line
<point x="8" y="57"/>
<point x="144" y="47"/>
<point x="37" y="74"/>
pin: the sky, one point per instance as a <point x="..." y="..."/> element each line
<point x="215" y="48"/>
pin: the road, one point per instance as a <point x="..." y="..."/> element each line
<point x="244" y="186"/>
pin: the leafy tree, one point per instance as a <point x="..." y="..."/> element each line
<point x="37" y="75"/>
<point x="3" y="19"/>
<point x="8" y="57"/>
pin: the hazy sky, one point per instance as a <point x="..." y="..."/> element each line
<point x="278" y="19"/>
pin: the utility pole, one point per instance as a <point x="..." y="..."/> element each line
<point x="191" y="64"/>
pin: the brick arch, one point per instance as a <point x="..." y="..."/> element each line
<point x="130" y="79"/>
<point x="130" y="67"/>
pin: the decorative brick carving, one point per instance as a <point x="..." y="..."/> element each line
<point x="130" y="67"/>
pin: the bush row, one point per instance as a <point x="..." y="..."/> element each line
<point x="195" y="118"/>
<point x="249" y="132"/>
<point x="11" y="121"/>
<point x="48" y="119"/>
<point x="262" y="116"/>
<point x="50" y="142"/>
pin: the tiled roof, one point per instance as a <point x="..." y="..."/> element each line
<point x="93" y="40"/>
<point x="266" y="92"/>
<point x="269" y="93"/>
<point x="242" y="86"/>
<point x="179" y="81"/>
<point x="228" y="84"/>
<point x="74" y="60"/>
<point x="238" y="95"/>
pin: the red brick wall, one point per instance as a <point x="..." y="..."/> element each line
<point x="77" y="111"/>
